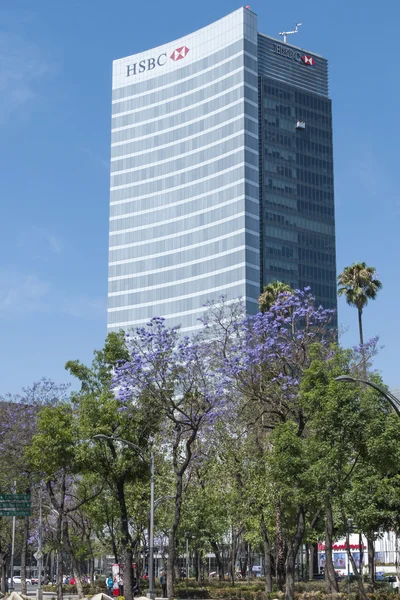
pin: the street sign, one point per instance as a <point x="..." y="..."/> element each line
<point x="7" y="505"/>
<point x="15" y="505"/>
<point x="15" y="497"/>
<point x="14" y="512"/>
<point x="38" y="555"/>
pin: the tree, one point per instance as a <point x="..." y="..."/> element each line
<point x="274" y="292"/>
<point x="117" y="466"/>
<point x="174" y="377"/>
<point x="359" y="283"/>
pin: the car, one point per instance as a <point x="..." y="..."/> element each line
<point x="392" y="579"/>
<point x="18" y="579"/>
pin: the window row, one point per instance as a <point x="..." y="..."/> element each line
<point x="185" y="87"/>
<point x="179" y="225"/>
<point x="314" y="178"/>
<point x="313" y="102"/>
<point x="311" y="116"/>
<point x="198" y="115"/>
<point x="183" y="147"/>
<point x="297" y="222"/>
<point x="277" y="92"/>
<point x="305" y="191"/>
<point x="278" y="154"/>
<point x="315" y="257"/>
<point x="312" y="162"/>
<point x="316" y="210"/>
<point x="173" y="258"/>
<point x="178" y="288"/>
<point x="154" y="173"/>
<point x="325" y="243"/>
<point x="184" y="102"/>
<point x="279" y="251"/>
<point x="203" y="206"/>
<point x="174" y="307"/>
<point x="156" y="168"/>
<point x="232" y="117"/>
<point x="184" y="196"/>
<point x="271" y="121"/>
<point x="276" y="137"/>
<point x="182" y="240"/>
<point x="281" y="109"/>
<point x="175" y="181"/>
<point x="201" y="267"/>
<point x="146" y="196"/>
<point x="277" y="185"/>
<point x="315" y="148"/>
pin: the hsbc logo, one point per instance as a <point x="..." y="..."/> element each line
<point x="308" y="60"/>
<point x="149" y="64"/>
<point x="179" y="53"/>
<point x="294" y="54"/>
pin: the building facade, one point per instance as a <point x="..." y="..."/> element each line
<point x="215" y="190"/>
<point x="296" y="178"/>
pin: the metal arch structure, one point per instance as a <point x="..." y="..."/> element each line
<point x="393" y="401"/>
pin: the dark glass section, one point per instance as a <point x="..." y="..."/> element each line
<point x="296" y="189"/>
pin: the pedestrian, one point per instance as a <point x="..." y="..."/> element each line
<point x="109" y="584"/>
<point x="121" y="586"/>
<point x="135" y="589"/>
<point x="115" y="587"/>
<point x="163" y="581"/>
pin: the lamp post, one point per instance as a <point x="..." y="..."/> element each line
<point x="150" y="594"/>
<point x="187" y="563"/>
<point x="393" y="401"/>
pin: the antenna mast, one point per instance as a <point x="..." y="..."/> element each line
<point x="286" y="33"/>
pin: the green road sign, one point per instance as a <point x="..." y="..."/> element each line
<point x="14" y="512"/>
<point x="15" y="497"/>
<point x="9" y="504"/>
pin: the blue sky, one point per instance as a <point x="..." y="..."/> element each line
<point x="55" y="98"/>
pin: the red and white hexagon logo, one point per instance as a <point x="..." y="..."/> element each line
<point x="179" y="53"/>
<point x="308" y="60"/>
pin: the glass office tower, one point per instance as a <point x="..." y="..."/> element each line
<point x="184" y="220"/>
<point x="221" y="174"/>
<point x="296" y="177"/>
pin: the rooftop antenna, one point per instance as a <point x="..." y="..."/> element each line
<point x="286" y="33"/>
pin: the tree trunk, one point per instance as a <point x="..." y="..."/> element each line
<point x="330" y="576"/>
<point x="310" y="559"/>
<point x="293" y="549"/>
<point x="371" y="559"/>
<point x="267" y="557"/>
<point x="3" y="570"/>
<point x="125" y="541"/>
<point x="59" y="573"/>
<point x="172" y="536"/>
<point x="360" y="584"/>
<point x="279" y="550"/>
<point x="220" y="565"/>
<point x="74" y="563"/>
<point x="290" y="573"/>
<point x="23" y="554"/>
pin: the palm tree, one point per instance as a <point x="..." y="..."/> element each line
<point x="271" y="293"/>
<point x="359" y="283"/>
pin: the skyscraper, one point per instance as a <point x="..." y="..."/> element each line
<point x="221" y="174"/>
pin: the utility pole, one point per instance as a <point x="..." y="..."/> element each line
<point x="12" y="547"/>
<point x="151" y="594"/>
<point x="39" y="553"/>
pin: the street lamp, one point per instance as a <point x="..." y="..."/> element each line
<point x="100" y="436"/>
<point x="393" y="401"/>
